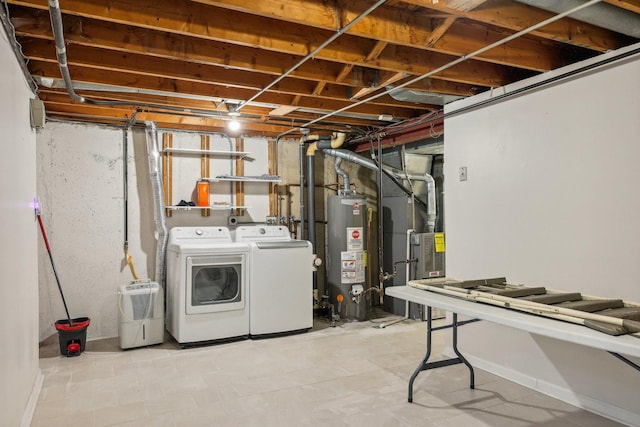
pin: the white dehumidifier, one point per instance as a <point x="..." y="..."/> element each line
<point x="141" y="310"/>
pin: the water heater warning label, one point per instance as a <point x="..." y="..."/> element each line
<point x="355" y="239"/>
<point x="352" y="266"/>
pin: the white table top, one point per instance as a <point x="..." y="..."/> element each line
<point x="625" y="344"/>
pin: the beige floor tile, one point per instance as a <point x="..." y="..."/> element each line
<point x="130" y="412"/>
<point x="352" y="375"/>
<point x="79" y="419"/>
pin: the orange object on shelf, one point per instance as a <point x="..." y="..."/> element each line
<point x="203" y="193"/>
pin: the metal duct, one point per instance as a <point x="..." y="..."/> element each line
<point x="346" y="182"/>
<point x="421" y="97"/>
<point x="458" y="60"/>
<point x="603" y="15"/>
<point x="158" y="209"/>
<point x="395" y="173"/>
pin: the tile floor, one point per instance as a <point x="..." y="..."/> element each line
<point x="353" y="375"/>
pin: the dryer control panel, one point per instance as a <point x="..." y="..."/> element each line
<point x="201" y="235"/>
<point x="262" y="233"/>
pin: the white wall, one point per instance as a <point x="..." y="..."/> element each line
<point x="551" y="199"/>
<point x="80" y="183"/>
<point x="18" y="244"/>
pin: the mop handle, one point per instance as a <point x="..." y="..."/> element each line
<point x="44" y="235"/>
<point x="53" y="266"/>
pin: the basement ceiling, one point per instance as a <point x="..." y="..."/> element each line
<point x="286" y="64"/>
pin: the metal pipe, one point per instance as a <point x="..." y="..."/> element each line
<point x="335" y="140"/>
<point x="301" y="151"/>
<point x="380" y="221"/>
<point x="394" y="174"/>
<point x="312" y="211"/>
<point x="313" y="53"/>
<point x="407" y="268"/>
<point x="346" y="183"/>
<point x="311" y="201"/>
<point x="57" y="27"/>
<point x="458" y="60"/>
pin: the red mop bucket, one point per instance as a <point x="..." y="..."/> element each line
<point x="72" y="337"/>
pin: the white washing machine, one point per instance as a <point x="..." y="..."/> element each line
<point x="207" y="291"/>
<point x="281" y="271"/>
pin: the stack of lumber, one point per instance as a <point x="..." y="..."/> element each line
<point x="611" y="316"/>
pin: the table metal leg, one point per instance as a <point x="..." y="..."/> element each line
<point x="472" y="381"/>
<point x="425" y="365"/>
<point x="424" y="360"/>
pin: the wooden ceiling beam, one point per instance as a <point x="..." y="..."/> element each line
<point x="173" y="121"/>
<point x="439" y="31"/>
<point x="386" y="80"/>
<point x="197" y="20"/>
<point x="44" y="50"/>
<point x="191" y="105"/>
<point x="92" y="33"/>
<point x="116" y="78"/>
<point x="398" y="26"/>
<point x="516" y="16"/>
<point x="97" y="113"/>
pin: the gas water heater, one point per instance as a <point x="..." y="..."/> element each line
<point x="347" y="238"/>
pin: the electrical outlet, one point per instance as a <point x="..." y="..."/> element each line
<point x="462" y="173"/>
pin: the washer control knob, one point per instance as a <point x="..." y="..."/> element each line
<point x="262" y="231"/>
<point x="198" y="232"/>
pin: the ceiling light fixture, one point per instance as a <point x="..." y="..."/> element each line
<point x="233" y="125"/>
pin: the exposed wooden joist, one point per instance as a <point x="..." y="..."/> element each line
<point x="387" y="80"/>
<point x="87" y="32"/>
<point x="60" y="96"/>
<point x="116" y="78"/>
<point x="517" y="16"/>
<point x="193" y="19"/>
<point x="439" y="31"/>
<point x="44" y="50"/>
<point x="401" y="27"/>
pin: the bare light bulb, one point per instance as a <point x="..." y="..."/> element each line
<point x="234" y="125"/>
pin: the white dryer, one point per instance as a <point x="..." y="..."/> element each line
<point x="207" y="292"/>
<point x="281" y="272"/>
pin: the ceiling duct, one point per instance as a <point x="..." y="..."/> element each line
<point x="421" y="97"/>
<point x="601" y="14"/>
